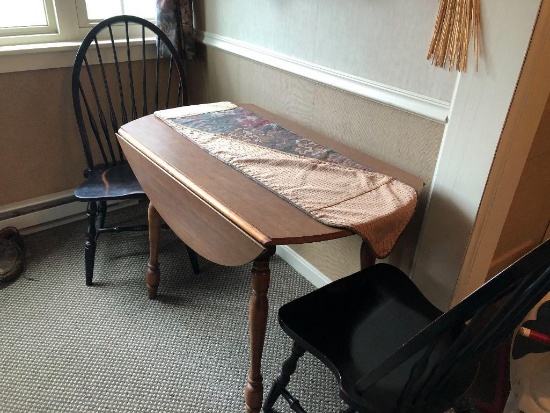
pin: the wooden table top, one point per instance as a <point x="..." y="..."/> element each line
<point x="260" y="214"/>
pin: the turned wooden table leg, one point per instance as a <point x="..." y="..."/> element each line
<point x="253" y="392"/>
<point x="367" y="256"/>
<point x="153" y="271"/>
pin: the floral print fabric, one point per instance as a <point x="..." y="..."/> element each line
<point x="244" y="125"/>
<point x="175" y="19"/>
<point x="321" y="182"/>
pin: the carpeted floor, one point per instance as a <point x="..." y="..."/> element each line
<point x="65" y="347"/>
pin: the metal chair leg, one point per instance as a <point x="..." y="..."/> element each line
<point x="282" y="380"/>
<point x="91" y="240"/>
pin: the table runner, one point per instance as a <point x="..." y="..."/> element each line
<point x="325" y="184"/>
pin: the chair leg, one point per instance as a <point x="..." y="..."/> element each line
<point x="152" y="275"/>
<point x="102" y="212"/>
<point x="282" y="380"/>
<point x="293" y="402"/>
<point x="194" y="260"/>
<point x="91" y="240"/>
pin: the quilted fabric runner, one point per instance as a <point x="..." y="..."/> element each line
<point x="325" y="184"/>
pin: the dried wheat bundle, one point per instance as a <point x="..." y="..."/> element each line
<point x="457" y="21"/>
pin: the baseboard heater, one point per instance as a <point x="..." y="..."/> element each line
<point x="47" y="211"/>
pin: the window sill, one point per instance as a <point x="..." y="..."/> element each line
<point x="51" y="55"/>
<point x="37" y="56"/>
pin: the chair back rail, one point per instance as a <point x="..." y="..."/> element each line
<point x="113" y="78"/>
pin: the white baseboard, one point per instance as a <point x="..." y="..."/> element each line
<point x="302" y="266"/>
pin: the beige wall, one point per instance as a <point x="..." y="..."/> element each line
<point x="400" y="138"/>
<point x="393" y="54"/>
<point x="383" y="41"/>
<point x="40" y="147"/>
<point x="41" y="151"/>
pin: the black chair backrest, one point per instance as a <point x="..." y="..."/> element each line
<point x="116" y="81"/>
<point x="487" y="318"/>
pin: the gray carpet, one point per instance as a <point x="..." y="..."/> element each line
<point x="65" y="347"/>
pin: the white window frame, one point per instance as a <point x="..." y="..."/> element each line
<point x="51" y="47"/>
<point x="82" y="14"/>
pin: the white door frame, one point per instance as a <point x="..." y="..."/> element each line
<point x="471" y="194"/>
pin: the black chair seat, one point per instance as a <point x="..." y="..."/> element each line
<point x="115" y="182"/>
<point x="391" y="350"/>
<point x="375" y="310"/>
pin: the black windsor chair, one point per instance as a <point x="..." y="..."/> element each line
<point x="391" y="350"/>
<point x="114" y="82"/>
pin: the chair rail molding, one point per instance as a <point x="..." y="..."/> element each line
<point x="424" y="106"/>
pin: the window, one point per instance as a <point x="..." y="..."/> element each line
<point x="28" y="17"/>
<point x="96" y="10"/>
<point x="50" y="21"/>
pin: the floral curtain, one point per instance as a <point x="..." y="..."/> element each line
<point x="175" y="18"/>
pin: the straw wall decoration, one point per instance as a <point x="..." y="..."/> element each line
<point x="457" y="22"/>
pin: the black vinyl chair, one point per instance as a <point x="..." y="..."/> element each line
<point x="114" y="82"/>
<point x="391" y="350"/>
